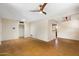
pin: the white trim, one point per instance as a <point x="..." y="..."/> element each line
<point x="0" y="42"/>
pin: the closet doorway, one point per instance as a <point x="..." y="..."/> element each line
<point x="21" y="29"/>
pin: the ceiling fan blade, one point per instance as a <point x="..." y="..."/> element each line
<point x="43" y="6"/>
<point x="35" y="10"/>
<point x="44" y="13"/>
<point x="41" y="9"/>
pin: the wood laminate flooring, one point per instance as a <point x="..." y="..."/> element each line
<point x="35" y="47"/>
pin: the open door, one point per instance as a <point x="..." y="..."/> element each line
<point x="21" y="29"/>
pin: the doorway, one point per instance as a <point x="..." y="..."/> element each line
<point x="21" y="29"/>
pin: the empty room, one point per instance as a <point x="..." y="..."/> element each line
<point x="39" y="29"/>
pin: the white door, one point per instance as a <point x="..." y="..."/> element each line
<point x="52" y="32"/>
<point x="21" y="30"/>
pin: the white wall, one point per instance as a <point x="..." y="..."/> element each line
<point x="69" y="29"/>
<point x="26" y="29"/>
<point x="39" y="29"/>
<point x="0" y="29"/>
<point x="7" y="29"/>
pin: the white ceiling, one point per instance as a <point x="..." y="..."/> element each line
<point x="21" y="11"/>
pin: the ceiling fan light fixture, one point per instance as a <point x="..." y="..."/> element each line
<point x="40" y="12"/>
<point x="41" y="9"/>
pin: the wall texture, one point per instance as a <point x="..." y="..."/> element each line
<point x="0" y="29"/>
<point x="10" y="29"/>
<point x="39" y="29"/>
<point x="69" y="29"/>
<point x="66" y="29"/>
<point x="26" y="29"/>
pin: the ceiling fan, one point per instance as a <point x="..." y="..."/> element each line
<point x="41" y="9"/>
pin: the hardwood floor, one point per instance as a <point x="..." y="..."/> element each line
<point x="35" y="47"/>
